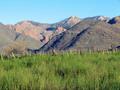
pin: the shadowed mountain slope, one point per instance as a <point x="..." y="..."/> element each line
<point x="86" y="35"/>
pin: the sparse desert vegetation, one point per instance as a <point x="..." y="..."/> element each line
<point x="68" y="71"/>
<point x="18" y="48"/>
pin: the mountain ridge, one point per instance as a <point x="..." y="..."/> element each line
<point x="70" y="33"/>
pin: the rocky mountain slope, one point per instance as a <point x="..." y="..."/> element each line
<point x="33" y="33"/>
<point x="86" y="35"/>
<point x="8" y="36"/>
<point x="92" y="33"/>
<point x="44" y="32"/>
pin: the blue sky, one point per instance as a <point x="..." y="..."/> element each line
<point x="50" y="11"/>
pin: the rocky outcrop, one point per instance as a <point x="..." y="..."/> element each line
<point x="67" y="23"/>
<point x="115" y="22"/>
<point x="98" y="18"/>
<point x="30" y="29"/>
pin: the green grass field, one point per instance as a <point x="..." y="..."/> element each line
<point x="68" y="71"/>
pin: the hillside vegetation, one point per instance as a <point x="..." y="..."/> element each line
<point x="68" y="71"/>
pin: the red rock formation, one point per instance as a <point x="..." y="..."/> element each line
<point x="29" y="29"/>
<point x="60" y="29"/>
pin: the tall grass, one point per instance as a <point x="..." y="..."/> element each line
<point x="68" y="71"/>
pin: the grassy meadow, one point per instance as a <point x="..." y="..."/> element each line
<point x="68" y="71"/>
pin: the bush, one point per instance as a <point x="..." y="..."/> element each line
<point x="17" y="48"/>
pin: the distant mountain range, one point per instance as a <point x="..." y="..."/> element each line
<point x="73" y="33"/>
